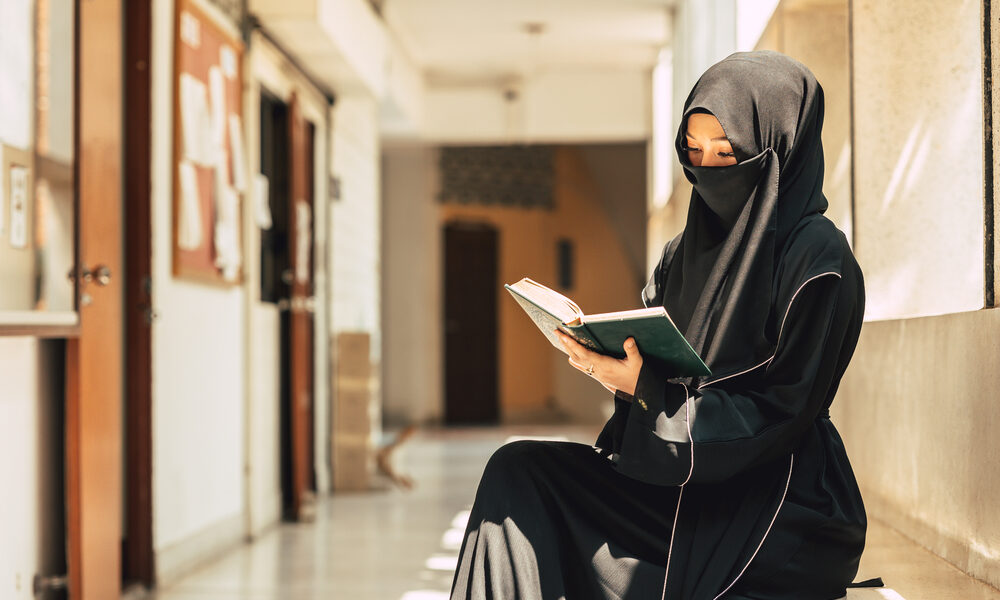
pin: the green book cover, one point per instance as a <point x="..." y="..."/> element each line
<point x="655" y="334"/>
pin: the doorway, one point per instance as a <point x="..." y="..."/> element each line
<point x="470" y="282"/>
<point x="286" y="159"/>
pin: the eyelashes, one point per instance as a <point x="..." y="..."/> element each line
<point x="722" y="154"/>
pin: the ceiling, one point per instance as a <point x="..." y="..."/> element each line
<point x="471" y="41"/>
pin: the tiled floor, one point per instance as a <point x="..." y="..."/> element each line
<point x="396" y="545"/>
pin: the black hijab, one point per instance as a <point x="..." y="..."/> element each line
<point x="717" y="278"/>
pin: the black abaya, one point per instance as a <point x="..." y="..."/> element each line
<point x="735" y="486"/>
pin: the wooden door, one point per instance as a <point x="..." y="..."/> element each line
<point x="470" y="277"/>
<point x="94" y="359"/>
<point x="300" y="343"/>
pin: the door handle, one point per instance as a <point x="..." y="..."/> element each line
<point x="101" y="275"/>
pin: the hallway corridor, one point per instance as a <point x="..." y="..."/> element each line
<point x="395" y="545"/>
<point x="384" y="545"/>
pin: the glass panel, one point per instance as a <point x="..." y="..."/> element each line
<point x="37" y="154"/>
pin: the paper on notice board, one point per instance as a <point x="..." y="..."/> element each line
<point x="195" y="121"/>
<point x="227" y="235"/>
<point x="236" y="144"/>
<point x="18" y="206"/>
<point x="227" y="59"/>
<point x="190" y="30"/>
<point x="217" y="92"/>
<point x="262" y="205"/>
<point x="189" y="226"/>
<point x="221" y="164"/>
<point x="303" y="240"/>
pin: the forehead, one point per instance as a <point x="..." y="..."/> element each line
<point x="703" y="125"/>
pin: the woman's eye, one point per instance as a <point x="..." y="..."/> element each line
<point x="727" y="154"/>
<point x="690" y="149"/>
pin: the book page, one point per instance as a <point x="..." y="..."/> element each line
<point x="623" y="315"/>
<point x="551" y="300"/>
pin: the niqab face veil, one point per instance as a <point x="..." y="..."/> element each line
<point x="717" y="278"/>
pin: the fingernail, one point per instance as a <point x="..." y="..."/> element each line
<point x="629" y="344"/>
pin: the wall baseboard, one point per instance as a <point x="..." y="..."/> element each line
<point x="180" y="558"/>
<point x="965" y="554"/>
<point x="269" y="516"/>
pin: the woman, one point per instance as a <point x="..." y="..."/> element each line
<point x="733" y="486"/>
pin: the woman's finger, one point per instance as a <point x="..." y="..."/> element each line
<point x="575" y="349"/>
<point x="583" y="367"/>
<point x="586" y="355"/>
<point x="580" y="367"/>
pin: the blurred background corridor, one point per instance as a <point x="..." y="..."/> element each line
<point x="254" y="341"/>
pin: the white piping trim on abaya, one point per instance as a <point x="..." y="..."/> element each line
<point x="780" y="330"/>
<point x="791" y="461"/>
<point x="680" y="494"/>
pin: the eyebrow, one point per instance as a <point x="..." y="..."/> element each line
<point x="715" y="139"/>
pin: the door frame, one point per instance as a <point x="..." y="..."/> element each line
<point x="138" y="558"/>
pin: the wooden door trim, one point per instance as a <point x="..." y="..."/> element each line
<point x="137" y="552"/>
<point x="300" y="346"/>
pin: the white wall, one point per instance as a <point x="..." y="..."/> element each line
<point x="16" y="81"/>
<point x="411" y="235"/>
<point x="403" y="101"/>
<point x="704" y="33"/>
<point x="565" y="106"/>
<point x="344" y="42"/>
<point x="355" y="260"/>
<point x="31" y="430"/>
<point x="198" y="372"/>
<point x="661" y="156"/>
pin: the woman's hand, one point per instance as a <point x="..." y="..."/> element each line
<point x="613" y="373"/>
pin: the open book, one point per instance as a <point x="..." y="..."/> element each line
<point x="605" y="333"/>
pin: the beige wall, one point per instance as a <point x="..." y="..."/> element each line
<point x="919" y="164"/>
<point x="918" y="406"/>
<point x="816" y="34"/>
<point x="918" y="414"/>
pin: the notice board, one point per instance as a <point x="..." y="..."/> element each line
<point x="210" y="179"/>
